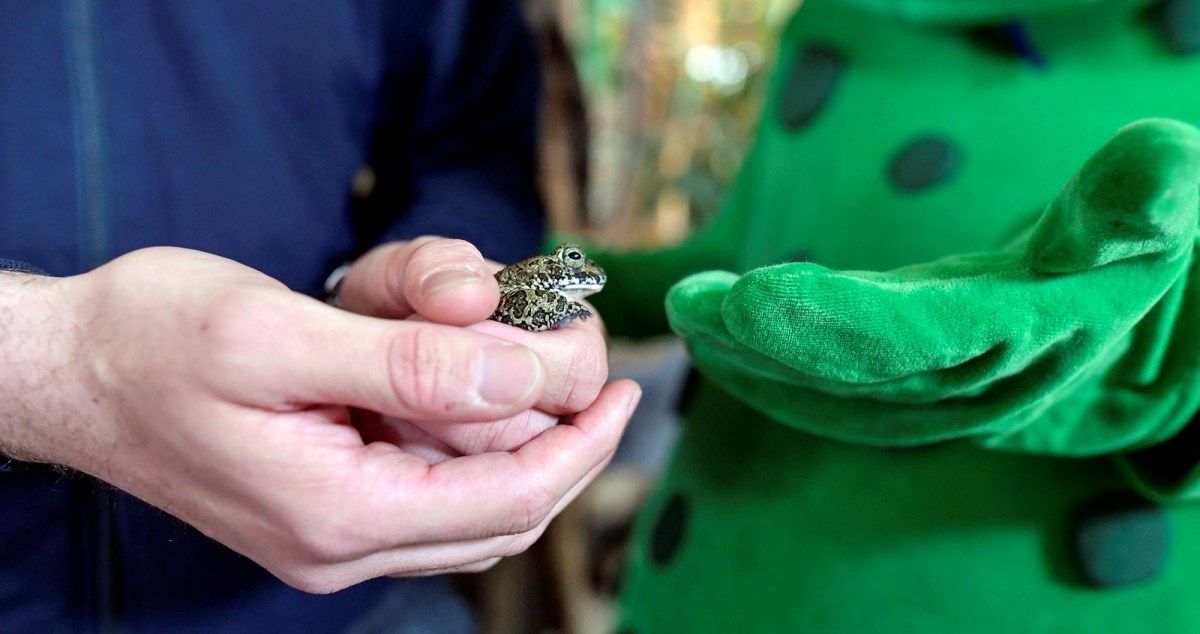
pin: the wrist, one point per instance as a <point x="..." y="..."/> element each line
<point x="41" y="412"/>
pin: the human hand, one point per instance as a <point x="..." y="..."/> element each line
<point x="448" y="281"/>
<point x="1086" y="307"/>
<point x="209" y="390"/>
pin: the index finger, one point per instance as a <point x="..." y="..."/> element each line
<point x="493" y="494"/>
<point x="444" y="280"/>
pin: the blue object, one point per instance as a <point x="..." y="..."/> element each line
<point x="237" y="128"/>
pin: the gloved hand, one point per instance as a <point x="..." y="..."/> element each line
<point x="1082" y="337"/>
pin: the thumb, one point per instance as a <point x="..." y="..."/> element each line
<point x="1137" y="195"/>
<point x="406" y="369"/>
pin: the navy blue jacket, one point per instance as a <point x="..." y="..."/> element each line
<point x="236" y="128"/>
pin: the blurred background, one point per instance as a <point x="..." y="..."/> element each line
<point x="648" y="108"/>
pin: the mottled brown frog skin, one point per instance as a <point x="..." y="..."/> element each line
<point x="543" y="292"/>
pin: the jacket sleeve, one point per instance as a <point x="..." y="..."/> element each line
<point x="454" y="153"/>
<point x="19" y="267"/>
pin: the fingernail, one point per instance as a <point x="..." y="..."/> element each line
<point x="505" y="373"/>
<point x="633" y="403"/>
<point x="449" y="277"/>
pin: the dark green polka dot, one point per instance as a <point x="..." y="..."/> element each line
<point x="1119" y="540"/>
<point x="1168" y="464"/>
<point x="808" y="87"/>
<point x="924" y="163"/>
<point x="1178" y="23"/>
<point x="669" y="530"/>
<point x="1010" y="40"/>
<point x="993" y="39"/>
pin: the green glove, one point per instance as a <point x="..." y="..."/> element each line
<point x="1081" y="338"/>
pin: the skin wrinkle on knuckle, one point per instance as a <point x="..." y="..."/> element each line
<point x="587" y="371"/>
<point x="417" y="371"/>
<point x="532" y="504"/>
<point x="499" y="440"/>
<point x="492" y="437"/>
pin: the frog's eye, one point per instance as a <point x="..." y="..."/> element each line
<point x="573" y="256"/>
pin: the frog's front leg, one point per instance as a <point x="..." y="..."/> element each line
<point x="538" y="310"/>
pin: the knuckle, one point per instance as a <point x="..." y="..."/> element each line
<point x="586" y="377"/>
<point x="417" y="367"/>
<point x="532" y="506"/>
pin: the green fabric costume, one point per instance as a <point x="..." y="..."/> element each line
<point x="964" y="327"/>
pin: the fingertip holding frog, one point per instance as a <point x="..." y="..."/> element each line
<point x="543" y="292"/>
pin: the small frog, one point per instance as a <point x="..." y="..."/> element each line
<point x="543" y="292"/>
